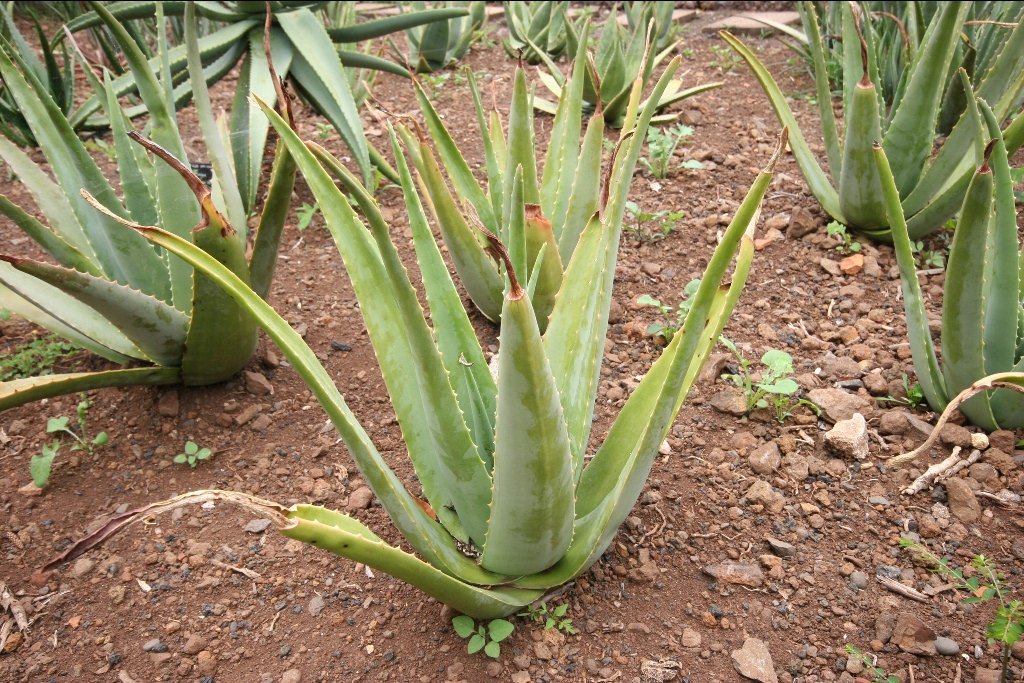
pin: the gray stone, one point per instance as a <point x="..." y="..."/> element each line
<point x="738" y="573"/>
<point x="885" y="624"/>
<point x="291" y="676"/>
<point x="316" y="605"/>
<point x="859" y="580"/>
<point x="962" y="502"/>
<point x="691" y="639"/>
<point x="154" y="645"/>
<point x="796" y="466"/>
<point x="841" y="367"/>
<point x="765" y="459"/>
<point x="955" y="435"/>
<point x="947" y="646"/>
<point x="762" y="492"/>
<point x="893" y="422"/>
<point x="256" y="526"/>
<point x="838" y="404"/>
<point x="82" y="566"/>
<point x="754" y="661"/>
<point x="849" y="438"/>
<point x="257" y="384"/>
<point x="781" y="548"/>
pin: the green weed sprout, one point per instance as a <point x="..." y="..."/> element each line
<point x="551" y="618"/>
<point x="41" y="465"/>
<point x="486" y="637"/>
<point x="661" y="146"/>
<point x="775" y="390"/>
<point x="193" y="454"/>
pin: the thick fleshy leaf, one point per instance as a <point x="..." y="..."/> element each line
<point x="54" y="244"/>
<point x="860" y="191"/>
<point x="21" y="391"/>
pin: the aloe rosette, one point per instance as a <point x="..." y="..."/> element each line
<point x="983" y="297"/>
<point x="442" y="43"/>
<point x="931" y="187"/>
<point x="303" y="51"/>
<point x="538" y="215"/>
<point x="622" y="55"/>
<point x="500" y="460"/>
<point x="110" y="291"/>
<point x="539" y="27"/>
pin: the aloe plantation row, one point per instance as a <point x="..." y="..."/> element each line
<point x="169" y="277"/>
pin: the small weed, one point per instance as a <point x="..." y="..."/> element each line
<point x="41" y="465"/>
<point x="324" y="130"/>
<point x="651" y="226"/>
<point x="305" y="215"/>
<point x="486" y="637"/>
<point x="928" y="258"/>
<point x="193" y="454"/>
<point x="35" y="358"/>
<point x="661" y="145"/>
<point x="775" y="390"/>
<point x="847" y="244"/>
<point x="688" y="52"/>
<point x="982" y="582"/>
<point x="550" y="618"/>
<point x="673" y="320"/>
<point x="725" y="59"/>
<point x="913" y="394"/>
<point x="878" y="674"/>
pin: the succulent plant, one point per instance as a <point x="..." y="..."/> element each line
<point x="442" y="43"/>
<point x="539" y="27"/>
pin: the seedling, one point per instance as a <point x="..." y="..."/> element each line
<point x="550" y="618"/>
<point x="486" y="637"/>
<point x="59" y="426"/>
<point x="103" y="147"/>
<point x="666" y="330"/>
<point x="35" y="358"/>
<point x="651" y="226"/>
<point x="305" y="215"/>
<point x="193" y="454"/>
<point x="847" y="244"/>
<point x="725" y="58"/>
<point x="982" y="582"/>
<point x="661" y="146"/>
<point x="914" y="395"/>
<point x="324" y="130"/>
<point x="775" y="390"/>
<point x="40" y="465"/>
<point x="878" y="674"/>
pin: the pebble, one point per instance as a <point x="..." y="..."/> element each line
<point x="859" y="580"/>
<point x="291" y="676"/>
<point x="947" y="646"/>
<point x="913" y="635"/>
<point x="838" y="404"/>
<point x="256" y="526"/>
<point x="729" y="401"/>
<point x="168" y="404"/>
<point x="765" y="459"/>
<point x="154" y="645"/>
<point x="360" y="499"/>
<point x="849" y="438"/>
<point x="738" y="573"/>
<point x="82" y="566"/>
<point x="206" y="661"/>
<point x="754" y="661"/>
<point x="781" y="548"/>
<point x="962" y="502"/>
<point x="316" y="605"/>
<point x="257" y="384"/>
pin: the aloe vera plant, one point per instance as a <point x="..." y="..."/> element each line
<point x="501" y="460"/>
<point x="539" y="27"/>
<point x="539" y="216"/>
<point x="982" y="309"/>
<point x="931" y="189"/>
<point x="111" y="292"/>
<point x="639" y="16"/>
<point x="303" y="52"/>
<point x="442" y="43"/>
<point x="622" y="56"/>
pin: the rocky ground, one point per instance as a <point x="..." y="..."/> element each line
<point x="759" y="549"/>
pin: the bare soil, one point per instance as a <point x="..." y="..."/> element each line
<point x="203" y="594"/>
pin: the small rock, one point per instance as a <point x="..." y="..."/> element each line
<point x="838" y="404"/>
<point x="154" y="645"/>
<point x="261" y="423"/>
<point x="691" y="639"/>
<point x="729" y="401"/>
<point x="1002" y="439"/>
<point x="987" y="675"/>
<point x="257" y="384"/>
<point x="206" y="662"/>
<point x="738" y="573"/>
<point x="829" y="266"/>
<point x="30" y="489"/>
<point x="256" y="526"/>
<point x="761" y="492"/>
<point x="650" y="267"/>
<point x="291" y="676"/>
<point x="316" y="605"/>
<point x="955" y="435"/>
<point x="168" y="404"/>
<point x="962" y="502"/>
<point x="913" y="635"/>
<point x="947" y="646"/>
<point x="521" y="677"/>
<point x="765" y="459"/>
<point x="801" y="223"/>
<point x="979" y="441"/>
<point x="360" y="499"/>
<point x="194" y="645"/>
<point x="754" y="661"/>
<point x="852" y="264"/>
<point x="885" y="625"/>
<point x="849" y="438"/>
<point x="82" y="566"/>
<point x="781" y="548"/>
<point x="859" y="580"/>
<point x="893" y="422"/>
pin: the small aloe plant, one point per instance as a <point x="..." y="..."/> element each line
<point x="930" y="188"/>
<point x="501" y="461"/>
<point x="112" y="292"/>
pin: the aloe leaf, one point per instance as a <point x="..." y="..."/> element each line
<point x="458" y="170"/>
<point x="54" y="244"/>
<point x="344" y="536"/>
<point x="476" y="269"/>
<point x="584" y="190"/>
<point x="400" y="22"/>
<point x="21" y="391"/>
<point x="223" y="171"/>
<point x="123" y="257"/>
<point x="156" y="328"/>
<point x="521" y="149"/>
<point x="492" y="136"/>
<point x="818" y="183"/>
<point x="421" y="531"/>
<point x="563" y="156"/>
<point x="440" y="446"/>
<point x="513" y="235"/>
<point x="63" y="315"/>
<point x="545" y="265"/>
<point x="136" y="170"/>
<point x="531" y="520"/>
<point x="911" y="132"/>
<point x="270" y="229"/>
<point x="317" y="70"/>
<point x="926" y="365"/>
<point x="860" y="191"/>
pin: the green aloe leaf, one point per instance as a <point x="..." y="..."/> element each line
<point x="860" y="191"/>
<point x="21" y="391"/>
